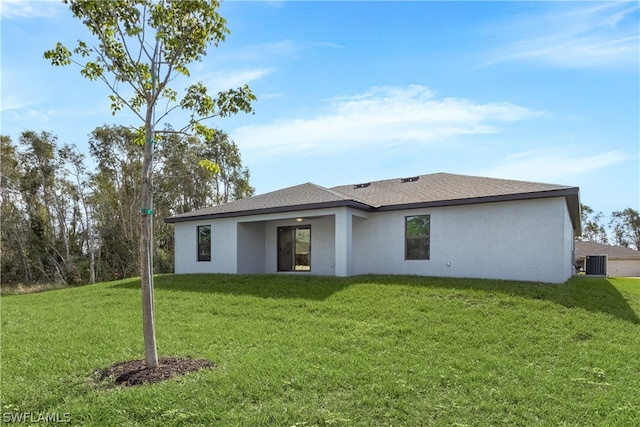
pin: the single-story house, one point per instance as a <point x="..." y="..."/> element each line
<point x="620" y="262"/>
<point x="433" y="225"/>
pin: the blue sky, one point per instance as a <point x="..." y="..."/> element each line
<point x="352" y="92"/>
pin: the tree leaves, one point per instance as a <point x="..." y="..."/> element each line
<point x="209" y="165"/>
<point x="230" y="102"/>
<point x="234" y="101"/>
<point x="92" y="71"/>
<point x="59" y="56"/>
<point x="198" y="101"/>
<point x="592" y="229"/>
<point x="143" y="44"/>
<point x="626" y="227"/>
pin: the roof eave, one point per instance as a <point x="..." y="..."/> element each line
<point x="276" y="209"/>
<point x="613" y="257"/>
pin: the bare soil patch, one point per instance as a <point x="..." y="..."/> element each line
<point x="136" y="372"/>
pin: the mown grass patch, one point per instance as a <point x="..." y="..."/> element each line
<point x="302" y="350"/>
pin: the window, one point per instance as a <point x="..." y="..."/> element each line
<point x="204" y="243"/>
<point x="417" y="237"/>
<point x="294" y="248"/>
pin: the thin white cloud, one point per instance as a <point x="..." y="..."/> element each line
<point x="25" y="9"/>
<point x="576" y="36"/>
<point x="15" y="110"/>
<point x="380" y="116"/>
<point x="26" y="114"/>
<point x="10" y="102"/>
<point x="553" y="165"/>
<point x="223" y="80"/>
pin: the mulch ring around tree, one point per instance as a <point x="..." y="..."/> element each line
<point x="135" y="372"/>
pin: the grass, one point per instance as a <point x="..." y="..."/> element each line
<point x="304" y="351"/>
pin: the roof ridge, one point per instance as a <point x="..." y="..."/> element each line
<point x="342" y="195"/>
<point x="493" y="178"/>
<point x="329" y="190"/>
<point x="461" y="175"/>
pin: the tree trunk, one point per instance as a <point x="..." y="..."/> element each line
<point x="92" y="266"/>
<point x="146" y="248"/>
<point x="90" y="243"/>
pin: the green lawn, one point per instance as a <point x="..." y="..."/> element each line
<point x="304" y="351"/>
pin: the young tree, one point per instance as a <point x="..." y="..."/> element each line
<point x="144" y="45"/>
<point x="626" y="227"/>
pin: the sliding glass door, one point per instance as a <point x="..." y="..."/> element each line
<point x="294" y="248"/>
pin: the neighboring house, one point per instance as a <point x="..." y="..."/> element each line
<point x="621" y="262"/>
<point x="432" y="225"/>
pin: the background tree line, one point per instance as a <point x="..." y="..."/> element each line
<point x="66" y="218"/>
<point x="623" y="228"/>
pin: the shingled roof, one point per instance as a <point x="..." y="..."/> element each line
<point x="438" y="189"/>
<point x="614" y="252"/>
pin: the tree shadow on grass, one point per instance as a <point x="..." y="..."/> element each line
<point x="596" y="295"/>
<point x="599" y="295"/>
